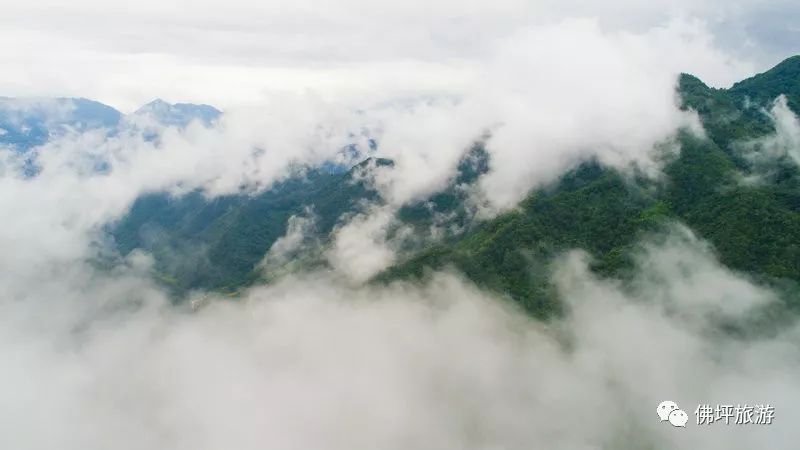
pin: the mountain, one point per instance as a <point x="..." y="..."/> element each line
<point x="218" y="243"/>
<point x="30" y="122"/>
<point x="754" y="227"/>
<point x="26" y="123"/>
<point x="764" y="87"/>
<point x="178" y="114"/>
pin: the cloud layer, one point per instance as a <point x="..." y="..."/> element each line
<point x="98" y="361"/>
<point x="101" y="358"/>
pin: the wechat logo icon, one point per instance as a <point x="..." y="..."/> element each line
<point x="669" y="411"/>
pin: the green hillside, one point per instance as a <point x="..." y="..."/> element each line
<point x="217" y="243"/>
<point x="753" y="226"/>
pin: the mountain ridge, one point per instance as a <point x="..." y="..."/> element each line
<point x="753" y="228"/>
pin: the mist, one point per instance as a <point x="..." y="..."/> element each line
<point x="98" y="354"/>
<point x="103" y="360"/>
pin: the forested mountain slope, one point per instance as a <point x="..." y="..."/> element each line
<point x="748" y="208"/>
<point x="753" y="226"/>
<point x="217" y="243"/>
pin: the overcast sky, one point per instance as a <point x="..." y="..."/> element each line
<point x="239" y="51"/>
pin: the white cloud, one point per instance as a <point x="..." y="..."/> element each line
<point x="301" y="236"/>
<point x="199" y="51"/>
<point x="767" y="153"/>
<point x="361" y="247"/>
<point x="311" y="362"/>
<point x="786" y="140"/>
<point x="550" y="96"/>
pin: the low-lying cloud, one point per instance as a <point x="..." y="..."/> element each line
<point x="102" y="360"/>
<point x="783" y="144"/>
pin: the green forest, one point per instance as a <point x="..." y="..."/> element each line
<point x="753" y="226"/>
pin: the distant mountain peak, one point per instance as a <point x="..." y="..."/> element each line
<point x="155" y="104"/>
<point x="179" y="114"/>
<point x="29" y="122"/>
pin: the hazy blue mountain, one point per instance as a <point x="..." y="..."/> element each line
<point x="29" y="122"/>
<point x="178" y="114"/>
<point x="26" y="123"/>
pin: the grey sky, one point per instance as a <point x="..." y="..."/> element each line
<point x="234" y="52"/>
